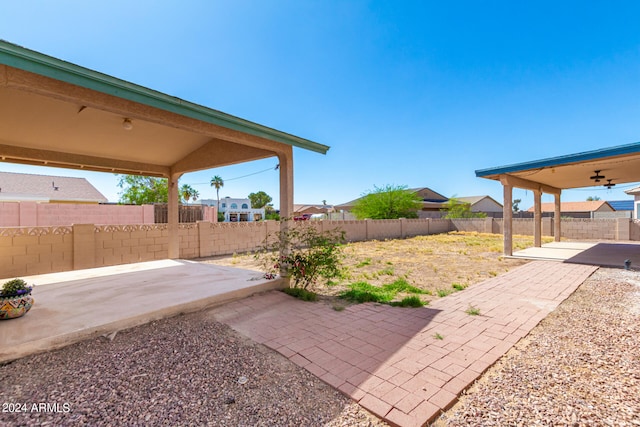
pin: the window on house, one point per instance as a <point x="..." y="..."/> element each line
<point x="234" y="206"/>
<point x="245" y="206"/>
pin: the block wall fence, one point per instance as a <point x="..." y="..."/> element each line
<point x="38" y="250"/>
<point x="32" y="214"/>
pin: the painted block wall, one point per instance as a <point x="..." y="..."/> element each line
<point x="38" y="250"/>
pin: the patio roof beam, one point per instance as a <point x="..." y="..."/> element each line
<point x="514" y="181"/>
<point x="36" y="157"/>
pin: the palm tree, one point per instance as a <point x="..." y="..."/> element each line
<point x="188" y="192"/>
<point x="218" y="183"/>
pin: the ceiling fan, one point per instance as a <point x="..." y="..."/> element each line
<point x="609" y="184"/>
<point x="597" y="177"/>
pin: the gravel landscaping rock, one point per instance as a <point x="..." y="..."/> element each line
<point x="580" y="366"/>
<point x="186" y="371"/>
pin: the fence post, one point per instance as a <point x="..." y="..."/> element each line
<point x="366" y="229"/>
<point x="84" y="246"/>
<point x="488" y="225"/>
<point x="623" y="226"/>
<point x="205" y="242"/>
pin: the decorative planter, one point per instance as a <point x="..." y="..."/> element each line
<point x="15" y="306"/>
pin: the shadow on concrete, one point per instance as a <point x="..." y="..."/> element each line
<point x="612" y="255"/>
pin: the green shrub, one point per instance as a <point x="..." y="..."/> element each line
<point x="401" y="285"/>
<point x="458" y="286"/>
<point x="366" y="261"/>
<point x="472" y="310"/>
<point x="443" y="292"/>
<point x="304" y="253"/>
<point x="364" y="292"/>
<point x="412" y="301"/>
<point x="15" y="287"/>
<point x="301" y="293"/>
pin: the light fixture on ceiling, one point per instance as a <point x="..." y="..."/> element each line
<point x="609" y="184"/>
<point x="597" y="177"/>
<point x="127" y="125"/>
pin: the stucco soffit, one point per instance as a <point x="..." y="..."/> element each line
<point x="218" y="153"/>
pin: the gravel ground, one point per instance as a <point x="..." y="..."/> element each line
<point x="184" y="371"/>
<point x="580" y="366"/>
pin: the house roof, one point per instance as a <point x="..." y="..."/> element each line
<point x="320" y="208"/>
<point x="621" y="164"/>
<point x="425" y="193"/>
<point x="633" y="191"/>
<point x="621" y="205"/>
<point x="475" y="199"/>
<point x="591" y="206"/>
<point x="89" y="120"/>
<point x="30" y="187"/>
<point x="428" y="195"/>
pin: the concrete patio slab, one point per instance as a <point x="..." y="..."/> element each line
<point x="406" y="365"/>
<point x="76" y="305"/>
<point x="603" y="254"/>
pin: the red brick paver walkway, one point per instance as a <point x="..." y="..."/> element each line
<point x="406" y="365"/>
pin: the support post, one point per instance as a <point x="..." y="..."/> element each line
<point x="557" y="222"/>
<point x="173" y="216"/>
<point x="286" y="201"/>
<point x="537" y="218"/>
<point x="507" y="215"/>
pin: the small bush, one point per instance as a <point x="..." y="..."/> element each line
<point x="364" y="292"/>
<point x="387" y="271"/>
<point x="366" y="261"/>
<point x="458" y="286"/>
<point x="443" y="292"/>
<point x="401" y="285"/>
<point x="301" y="293"/>
<point x="15" y="287"/>
<point x="412" y="301"/>
<point x="472" y="310"/>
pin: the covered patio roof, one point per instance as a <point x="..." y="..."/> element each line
<point x="608" y="166"/>
<point x="58" y="114"/>
<point x="619" y="164"/>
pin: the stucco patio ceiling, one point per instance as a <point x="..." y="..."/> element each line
<point x="619" y="164"/>
<point x="58" y="114"/>
<point x="54" y="113"/>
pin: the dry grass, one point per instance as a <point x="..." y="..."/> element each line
<point x="433" y="263"/>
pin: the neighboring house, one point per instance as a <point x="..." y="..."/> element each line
<point x="635" y="192"/>
<point x="25" y="187"/>
<point x="311" y="209"/>
<point x="622" y="208"/>
<point x="591" y="209"/>
<point x="236" y="210"/>
<point x="433" y="203"/>
<point x="484" y="204"/>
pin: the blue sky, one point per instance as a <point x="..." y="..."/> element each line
<point x="416" y="93"/>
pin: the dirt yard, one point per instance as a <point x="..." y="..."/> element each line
<point x="432" y="263"/>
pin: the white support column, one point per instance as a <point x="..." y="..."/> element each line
<point x="173" y="216"/>
<point x="507" y="220"/>
<point x="537" y="218"/>
<point x="557" y="221"/>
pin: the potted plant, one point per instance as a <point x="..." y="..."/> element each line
<point x="15" y="299"/>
